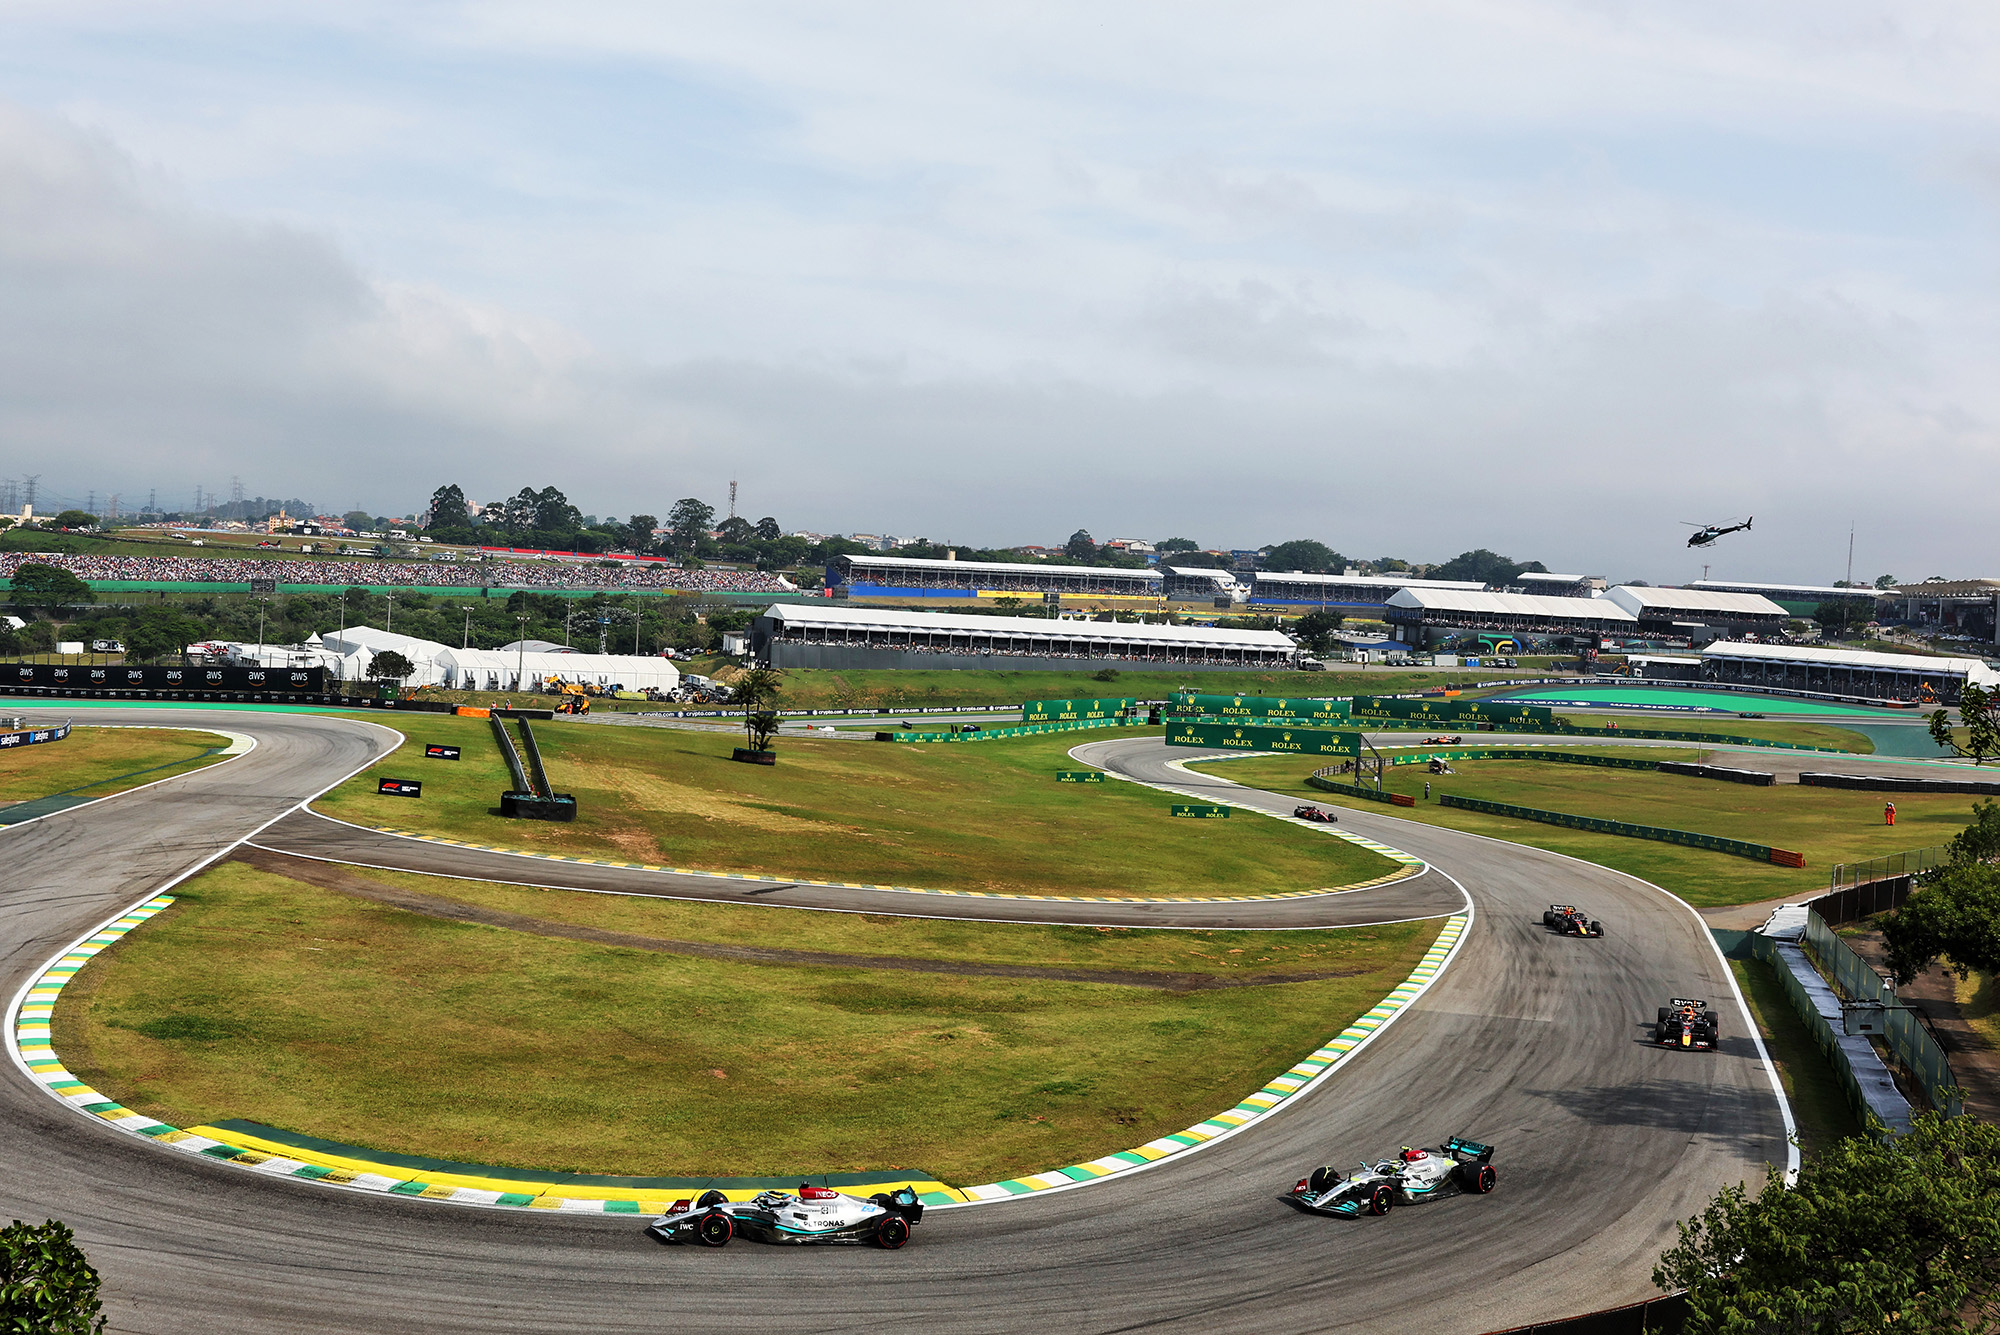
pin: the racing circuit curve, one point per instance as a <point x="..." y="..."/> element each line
<point x="1530" y="1042"/>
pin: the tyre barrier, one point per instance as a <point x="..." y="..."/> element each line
<point x="1756" y="778"/>
<point x="1713" y="843"/>
<point x="1358" y="790"/>
<point x="1889" y="783"/>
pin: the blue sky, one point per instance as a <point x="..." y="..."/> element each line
<point x="1548" y="278"/>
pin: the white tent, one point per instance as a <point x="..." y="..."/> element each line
<point x="501" y="670"/>
<point x="358" y="645"/>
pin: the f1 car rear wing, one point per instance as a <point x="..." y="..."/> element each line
<point x="1467" y="1151"/>
<point x="1686" y="1004"/>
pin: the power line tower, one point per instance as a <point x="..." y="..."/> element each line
<point x="197" y="498"/>
<point x="32" y="480"/>
<point x="235" y="497"/>
<point x="90" y="502"/>
<point x="10" y="496"/>
<point x="732" y="499"/>
<point x="152" y="500"/>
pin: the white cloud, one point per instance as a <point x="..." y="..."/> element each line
<point x="1543" y="277"/>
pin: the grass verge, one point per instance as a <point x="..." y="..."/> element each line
<point x="1828" y="825"/>
<point x="986" y="816"/>
<point x="259" y="997"/>
<point x="1819" y="1103"/>
<point x="103" y="760"/>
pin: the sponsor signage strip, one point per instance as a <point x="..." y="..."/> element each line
<point x="1452" y="711"/>
<point x="1260" y="707"/>
<point x="1079" y="776"/>
<point x="120" y="677"/>
<point x="1249" y="737"/>
<point x="1070" y="711"/>
<point x="1201" y="810"/>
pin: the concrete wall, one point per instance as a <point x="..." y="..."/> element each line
<point x="841" y="656"/>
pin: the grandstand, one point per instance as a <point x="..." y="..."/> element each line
<point x="1798" y="599"/>
<point x="1851" y="672"/>
<point x="1696" y="614"/>
<point x="1427" y="615"/>
<point x="1968" y="606"/>
<point x="1547" y="584"/>
<point x="914" y="577"/>
<point x="1346" y="593"/>
<point x="809" y="635"/>
<point x="1201" y="584"/>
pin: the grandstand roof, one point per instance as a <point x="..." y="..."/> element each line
<point x="1470" y="602"/>
<point x="1546" y="577"/>
<point x="1973" y="669"/>
<point x="1368" y="581"/>
<point x="1108" y="632"/>
<point x="1809" y="590"/>
<point x="1948" y="588"/>
<point x="1640" y="599"/>
<point x="860" y="562"/>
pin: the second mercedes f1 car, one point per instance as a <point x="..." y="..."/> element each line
<point x="812" y="1214"/>
<point x="1686" y="1023"/>
<point x="1320" y="814"/>
<point x="1569" y="920"/>
<point x="1413" y="1176"/>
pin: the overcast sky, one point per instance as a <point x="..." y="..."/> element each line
<point x="1408" y="278"/>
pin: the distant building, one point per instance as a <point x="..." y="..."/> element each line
<point x="1965" y="606"/>
<point x="1852" y="672"/>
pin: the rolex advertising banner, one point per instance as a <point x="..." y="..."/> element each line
<point x="1452" y="711"/>
<point x="1071" y="711"/>
<point x="1247" y="737"/>
<point x="1311" y="713"/>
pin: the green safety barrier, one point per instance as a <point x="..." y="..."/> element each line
<point x="1513" y="753"/>
<point x="1451" y="711"/>
<point x="1902" y="1030"/>
<point x="1361" y="790"/>
<point x="1071" y="711"/>
<point x="1024" y="730"/>
<point x="1203" y="810"/>
<point x="1239" y="708"/>
<point x="1079" y="776"/>
<point x="1246" y="737"/>
<point x="1713" y="843"/>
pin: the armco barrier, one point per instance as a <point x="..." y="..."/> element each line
<point x="1901" y="1029"/>
<point x="1022" y="730"/>
<point x="1665" y="1315"/>
<point x="1756" y="778"/>
<point x="1360" y="790"/>
<point x="1713" y="843"/>
<point x="1771" y="952"/>
<point x="1894" y="783"/>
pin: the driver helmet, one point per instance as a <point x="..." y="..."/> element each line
<point x="1411" y="1156"/>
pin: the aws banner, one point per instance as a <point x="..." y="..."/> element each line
<point x="118" y="677"/>
<point x="1452" y="711"/>
<point x="1071" y="711"/>
<point x="1311" y="713"/>
<point x="1247" y="737"/>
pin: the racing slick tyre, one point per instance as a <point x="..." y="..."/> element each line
<point x="1662" y="1017"/>
<point x="892" y="1232"/>
<point x="1481" y="1179"/>
<point x="715" y="1229"/>
<point x="1322" y="1179"/>
<point x="1380" y="1199"/>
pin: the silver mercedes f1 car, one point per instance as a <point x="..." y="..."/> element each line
<point x="1413" y="1176"/>
<point x="812" y="1214"/>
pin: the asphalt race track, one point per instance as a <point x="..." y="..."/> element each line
<point x="1530" y="1041"/>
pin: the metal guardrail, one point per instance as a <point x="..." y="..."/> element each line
<point x="509" y="754"/>
<point x="1902" y="1030"/>
<point x="1713" y="843"/>
<point x="1888" y="867"/>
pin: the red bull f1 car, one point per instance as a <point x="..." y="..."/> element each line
<point x="811" y="1214"/>
<point x="1411" y="1177"/>
<point x="1686" y="1023"/>
<point x="1569" y="920"/>
<point x="1320" y="814"/>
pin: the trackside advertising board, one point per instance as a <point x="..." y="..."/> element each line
<point x="1070" y="711"/>
<point x="1201" y="810"/>
<point x="1453" y="711"/>
<point x="1311" y="713"/>
<point x="1248" y="737"/>
<point x="1079" y="776"/>
<point x="143" y="677"/>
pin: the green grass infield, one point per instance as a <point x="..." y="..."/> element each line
<point x="1828" y="825"/>
<point x="990" y="817"/>
<point x="97" y="762"/>
<point x="259" y="997"/>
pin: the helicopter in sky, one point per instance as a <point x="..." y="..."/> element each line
<point x="1705" y="534"/>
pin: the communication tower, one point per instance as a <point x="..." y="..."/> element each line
<point x="732" y="499"/>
